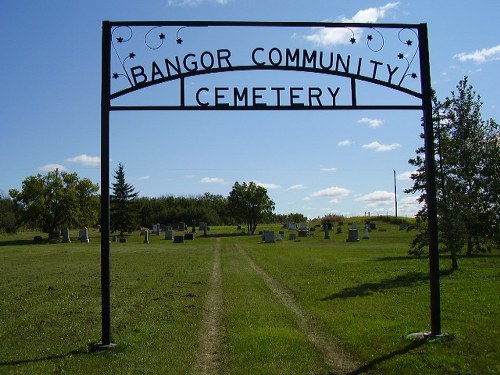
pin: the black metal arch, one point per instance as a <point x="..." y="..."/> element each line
<point x="425" y="105"/>
<point x="181" y="77"/>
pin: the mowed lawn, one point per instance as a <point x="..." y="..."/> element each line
<point x="236" y="305"/>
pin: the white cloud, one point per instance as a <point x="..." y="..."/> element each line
<point x="344" y="143"/>
<point x="408" y="206"/>
<point x="335" y="36"/>
<point x="212" y="180"/>
<point x="377" y="196"/>
<point x="142" y="178"/>
<point x="267" y="186"/>
<point x="53" y="167"/>
<point x="378" y="147"/>
<point x="328" y="169"/>
<point x="296" y="187"/>
<point x="480" y="56"/>
<point x="335" y="193"/>
<point x="405" y="176"/>
<point x="372" y="122"/>
<point x="86" y="160"/>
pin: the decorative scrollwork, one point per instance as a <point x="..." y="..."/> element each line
<point x="370" y="38"/>
<point x="122" y="38"/>
<point x="353" y="37"/>
<point x="156" y="41"/>
<point x="178" y="39"/>
<point x="409" y="61"/>
<point x="152" y="40"/>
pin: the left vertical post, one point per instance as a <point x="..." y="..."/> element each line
<point x="106" y="342"/>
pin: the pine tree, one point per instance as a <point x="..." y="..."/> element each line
<point x="467" y="173"/>
<point x="123" y="216"/>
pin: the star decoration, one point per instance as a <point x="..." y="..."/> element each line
<point x="369" y="37"/>
<point x="353" y="40"/>
<point x="162" y="36"/>
<point x="119" y="39"/>
<point x="414" y="75"/>
<point x="115" y="75"/>
<point x="401" y="56"/>
<point x="131" y="55"/>
<point x="409" y="42"/>
<point x="179" y="41"/>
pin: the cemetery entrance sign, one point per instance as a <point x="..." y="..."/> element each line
<point x="194" y="65"/>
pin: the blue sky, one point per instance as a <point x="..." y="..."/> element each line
<point x="312" y="162"/>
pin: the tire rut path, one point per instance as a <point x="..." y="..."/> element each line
<point x="335" y="356"/>
<point x="210" y="336"/>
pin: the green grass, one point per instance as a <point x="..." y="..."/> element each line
<point x="368" y="294"/>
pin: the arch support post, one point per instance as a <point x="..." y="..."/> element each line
<point x="430" y="168"/>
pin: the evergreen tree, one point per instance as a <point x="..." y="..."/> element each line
<point x="467" y="173"/>
<point x="122" y="215"/>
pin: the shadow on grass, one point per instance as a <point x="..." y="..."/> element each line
<point x="441" y="256"/>
<point x="401" y="281"/>
<point x="23" y="242"/>
<point x="48" y="358"/>
<point x="370" y="365"/>
<point x="404" y="257"/>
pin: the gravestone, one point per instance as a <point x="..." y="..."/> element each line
<point x="65" y="235"/>
<point x="292" y="236"/>
<point x="366" y="233"/>
<point x="291" y="226"/>
<point x="268" y="236"/>
<point x="178" y="239"/>
<point x="156" y="229"/>
<point x="169" y="234"/>
<point x="327" y="228"/>
<point x="189" y="236"/>
<point x="181" y="226"/>
<point x="340" y="230"/>
<point x="303" y="233"/>
<point x="353" y="235"/>
<point x="146" y="236"/>
<point x="84" y="235"/>
<point x="38" y="239"/>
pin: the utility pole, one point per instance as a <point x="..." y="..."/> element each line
<point x="395" y="196"/>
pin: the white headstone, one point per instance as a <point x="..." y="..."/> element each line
<point x="146" y="236"/>
<point x="84" y="235"/>
<point x="366" y="233"/>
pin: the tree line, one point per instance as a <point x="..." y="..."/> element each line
<point x="59" y="199"/>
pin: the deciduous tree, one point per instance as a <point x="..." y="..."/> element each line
<point x="250" y="203"/>
<point x="55" y="200"/>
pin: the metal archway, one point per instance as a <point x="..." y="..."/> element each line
<point x="176" y="68"/>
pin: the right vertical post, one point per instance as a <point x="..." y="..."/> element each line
<point x="430" y="169"/>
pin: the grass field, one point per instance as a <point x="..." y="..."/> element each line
<point x="236" y="305"/>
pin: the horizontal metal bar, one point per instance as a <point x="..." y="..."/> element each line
<point x="262" y="108"/>
<point x="262" y="24"/>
